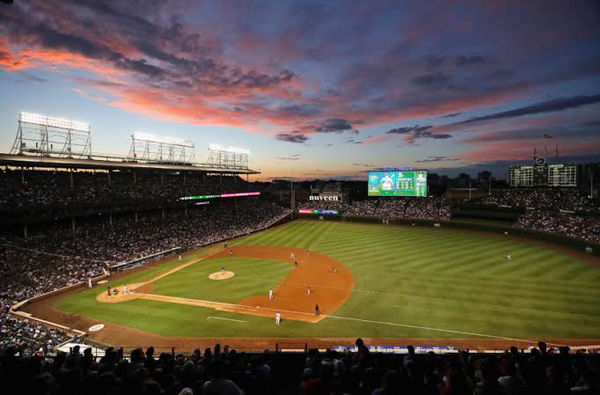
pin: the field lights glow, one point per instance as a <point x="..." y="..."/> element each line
<point x="62" y="123"/>
<point x="234" y="150"/>
<point x="162" y="139"/>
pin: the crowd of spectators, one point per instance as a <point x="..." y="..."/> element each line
<point x="430" y="208"/>
<point x="44" y="190"/>
<point x="224" y="371"/>
<point x="52" y="257"/>
<point x="30" y="337"/>
<point x="566" y="224"/>
<point x="571" y="200"/>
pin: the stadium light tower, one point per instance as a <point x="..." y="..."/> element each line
<point x="46" y="136"/>
<point x="227" y="157"/>
<point x="163" y="149"/>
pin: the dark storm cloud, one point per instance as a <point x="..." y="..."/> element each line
<point x="409" y="129"/>
<point x="433" y="81"/>
<point x="559" y="104"/>
<point x="157" y="44"/>
<point x="292" y="137"/>
<point x="334" y="125"/>
<point x="466" y="61"/>
<point x="454" y="114"/>
<point x="412" y="133"/>
<point x="299" y="110"/>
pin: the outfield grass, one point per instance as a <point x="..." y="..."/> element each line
<point x="408" y="280"/>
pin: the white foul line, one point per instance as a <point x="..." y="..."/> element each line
<point x="221" y="318"/>
<point x="430" y="328"/>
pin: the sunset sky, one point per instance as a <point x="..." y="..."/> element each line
<point x="315" y="89"/>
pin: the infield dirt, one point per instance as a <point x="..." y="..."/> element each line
<point x="316" y="280"/>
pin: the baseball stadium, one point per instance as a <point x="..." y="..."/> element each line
<point x="192" y="209"/>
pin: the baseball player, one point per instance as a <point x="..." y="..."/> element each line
<point x="222" y="269"/>
<point x="89" y="282"/>
<point x="334" y="269"/>
<point x="293" y="256"/>
<point x="126" y="290"/>
<point x="271" y="294"/>
<point x="277" y="318"/>
<point x="308" y="289"/>
<point x="317" y="311"/>
<point x="179" y="257"/>
<point x="308" y="252"/>
<point x="509" y="256"/>
<point x="108" y="290"/>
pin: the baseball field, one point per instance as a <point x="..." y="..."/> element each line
<point x="370" y="281"/>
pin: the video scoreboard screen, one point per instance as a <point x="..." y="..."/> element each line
<point x="398" y="183"/>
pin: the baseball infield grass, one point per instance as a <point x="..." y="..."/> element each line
<point x="409" y="282"/>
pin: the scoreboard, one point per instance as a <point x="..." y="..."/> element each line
<point x="398" y="183"/>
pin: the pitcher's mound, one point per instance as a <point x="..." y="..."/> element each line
<point x="221" y="275"/>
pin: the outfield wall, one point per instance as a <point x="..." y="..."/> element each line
<point x="576" y="244"/>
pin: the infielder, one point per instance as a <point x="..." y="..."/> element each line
<point x="293" y="256"/>
<point x="308" y="289"/>
<point x="271" y="294"/>
<point x="277" y="318"/>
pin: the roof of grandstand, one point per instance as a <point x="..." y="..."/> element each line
<point x="110" y="163"/>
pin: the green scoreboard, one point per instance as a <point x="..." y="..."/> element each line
<point x="398" y="183"/>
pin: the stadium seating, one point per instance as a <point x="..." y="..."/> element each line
<point x="224" y="371"/>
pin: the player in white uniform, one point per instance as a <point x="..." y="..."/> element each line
<point x="89" y="282"/>
<point x="271" y="294"/>
<point x="387" y="183"/>
<point x="277" y="318"/>
<point x="509" y="256"/>
<point x="292" y="256"/>
<point x="308" y="289"/>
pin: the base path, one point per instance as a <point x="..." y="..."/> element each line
<point x="315" y="280"/>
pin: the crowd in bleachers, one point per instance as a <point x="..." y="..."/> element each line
<point x="52" y="257"/>
<point x="430" y="208"/>
<point x="224" y="371"/>
<point x="568" y="212"/>
<point x="47" y="190"/>
<point x="570" y="225"/>
<point x="571" y="200"/>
